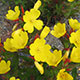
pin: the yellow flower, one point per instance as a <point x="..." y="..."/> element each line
<point x="75" y="25"/>
<point x="70" y="0"/>
<point x="39" y="67"/>
<point x="75" y="38"/>
<point x="37" y="4"/>
<point x="45" y="32"/>
<point x="18" y="41"/>
<point x="62" y="75"/>
<point x="59" y="30"/>
<point x="4" y="67"/>
<point x="13" y="15"/>
<point x="55" y="58"/>
<point x="8" y="46"/>
<point x="40" y="50"/>
<point x="13" y="78"/>
<point x="75" y="55"/>
<point x="30" y="18"/>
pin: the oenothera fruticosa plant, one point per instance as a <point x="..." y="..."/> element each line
<point x="32" y="36"/>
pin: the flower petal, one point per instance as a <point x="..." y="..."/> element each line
<point x="34" y="13"/>
<point x="8" y="63"/>
<point x="8" y="46"/>
<point x="37" y="4"/>
<point x="38" y="24"/>
<point x="28" y="27"/>
<point x="39" y="67"/>
<point x="45" y="32"/>
<point x="27" y="16"/>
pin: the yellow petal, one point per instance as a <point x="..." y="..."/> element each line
<point x="58" y="55"/>
<point x="15" y="26"/>
<point x="51" y="59"/>
<point x="27" y="17"/>
<point x="31" y="15"/>
<point x="54" y="58"/>
<point x="11" y="12"/>
<point x="17" y="32"/>
<point x="37" y="4"/>
<point x="28" y="27"/>
<point x="8" y="46"/>
<point x="75" y="39"/>
<point x="66" y="55"/>
<point x="35" y="13"/>
<point x="39" y="67"/>
<point x="8" y="63"/>
<point x="13" y="78"/>
<point x="45" y="32"/>
<point x="70" y="0"/>
<point x="17" y="11"/>
<point x="16" y="8"/>
<point x="75" y="55"/>
<point x="38" y="24"/>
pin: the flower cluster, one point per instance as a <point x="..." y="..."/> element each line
<point x="38" y="48"/>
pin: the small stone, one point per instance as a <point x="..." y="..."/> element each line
<point x="53" y="41"/>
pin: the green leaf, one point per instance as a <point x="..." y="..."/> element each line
<point x="14" y="64"/>
<point x="74" y="73"/>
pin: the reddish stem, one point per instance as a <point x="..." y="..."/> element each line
<point x="67" y="61"/>
<point x="37" y="36"/>
<point x="1" y="45"/>
<point x="71" y="30"/>
<point x="67" y="35"/>
<point x="22" y="9"/>
<point x="68" y="69"/>
<point x="66" y="49"/>
<point x="31" y="57"/>
<point x="27" y="47"/>
<point x="56" y="1"/>
<point x="16" y="20"/>
<point x="2" y="49"/>
<point x="22" y="18"/>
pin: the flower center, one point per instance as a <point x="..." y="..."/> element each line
<point x="38" y="50"/>
<point x="31" y="21"/>
<point x="76" y="42"/>
<point x="62" y="76"/>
